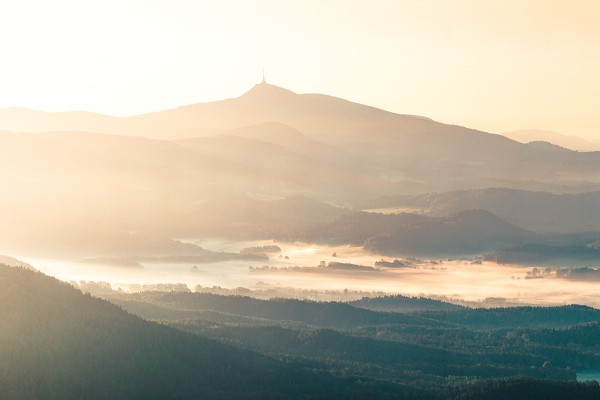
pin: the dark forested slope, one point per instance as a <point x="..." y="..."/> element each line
<point x="432" y="351"/>
<point x="333" y="315"/>
<point x="57" y="343"/>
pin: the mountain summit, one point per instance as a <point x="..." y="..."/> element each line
<point x="180" y="171"/>
<point x="369" y="151"/>
<point x="264" y="91"/>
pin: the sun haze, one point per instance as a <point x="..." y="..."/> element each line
<point x="496" y="65"/>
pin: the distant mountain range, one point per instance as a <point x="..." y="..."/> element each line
<point x="273" y="164"/>
<point x="467" y="233"/>
<point x="566" y="141"/>
<point x="537" y="211"/>
<point x="471" y="232"/>
<point x="91" y="183"/>
<point x="548" y="255"/>
<point x="393" y="152"/>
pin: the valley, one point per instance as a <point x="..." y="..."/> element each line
<point x="278" y="237"/>
<point x="300" y="271"/>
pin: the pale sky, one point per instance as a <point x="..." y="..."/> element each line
<point x="494" y="65"/>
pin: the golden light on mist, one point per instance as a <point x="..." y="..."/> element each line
<point x="486" y="284"/>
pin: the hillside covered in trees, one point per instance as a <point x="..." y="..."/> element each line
<point x="431" y="346"/>
<point x="60" y="344"/>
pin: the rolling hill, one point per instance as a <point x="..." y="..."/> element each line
<point x="61" y="344"/>
<point x="412" y="153"/>
<point x="537" y="211"/>
<point x="567" y="141"/>
<point x="466" y="233"/>
<point x="470" y="232"/>
<point x="88" y="181"/>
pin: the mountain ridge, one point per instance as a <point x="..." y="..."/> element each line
<point x="571" y="142"/>
<point x="540" y="211"/>
<point x="160" y="173"/>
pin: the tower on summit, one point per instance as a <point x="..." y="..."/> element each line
<point x="264" y="81"/>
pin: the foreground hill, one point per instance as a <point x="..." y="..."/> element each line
<point x="332" y="315"/>
<point x="60" y="344"/>
<point x="525" y="389"/>
<point x="433" y="351"/>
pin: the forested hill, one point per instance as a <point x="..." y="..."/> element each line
<point x="513" y="317"/>
<point x="442" y="352"/>
<point x="404" y="304"/>
<point x="332" y="315"/>
<point x="60" y="344"/>
<point x="468" y="232"/>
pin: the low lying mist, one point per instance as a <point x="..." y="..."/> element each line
<point x="319" y="272"/>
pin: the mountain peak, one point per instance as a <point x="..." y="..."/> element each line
<point x="264" y="90"/>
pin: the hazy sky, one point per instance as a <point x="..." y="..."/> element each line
<point x="487" y="64"/>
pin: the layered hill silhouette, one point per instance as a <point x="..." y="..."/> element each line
<point x="549" y="255"/>
<point x="538" y="211"/>
<point x="427" y="346"/>
<point x="60" y="343"/>
<point x="87" y="181"/>
<point x="411" y="152"/>
<point x="469" y="232"/>
<point x="567" y="141"/>
<point x="466" y="233"/>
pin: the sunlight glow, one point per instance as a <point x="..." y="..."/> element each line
<point x="496" y="66"/>
<point x="453" y="280"/>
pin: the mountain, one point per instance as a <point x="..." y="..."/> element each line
<point x="409" y="153"/>
<point x="91" y="193"/>
<point x="330" y="315"/>
<point x="516" y="317"/>
<point x="22" y="120"/>
<point x="404" y="304"/>
<point x="546" y="255"/>
<point x="547" y="146"/>
<point x="538" y="211"/>
<point x="264" y="103"/>
<point x="354" y="228"/>
<point x="566" y="141"/>
<point x="430" y="351"/>
<point x="470" y="232"/>
<point x="90" y="183"/>
<point x="466" y="233"/>
<point x="61" y="344"/>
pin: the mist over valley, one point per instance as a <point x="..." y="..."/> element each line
<point x="277" y="237"/>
